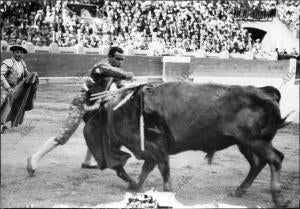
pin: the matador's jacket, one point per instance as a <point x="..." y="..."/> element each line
<point x="101" y="78"/>
<point x="102" y="75"/>
<point x="12" y="72"/>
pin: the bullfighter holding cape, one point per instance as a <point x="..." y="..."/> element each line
<point x="102" y="75"/>
<point x="18" y="88"/>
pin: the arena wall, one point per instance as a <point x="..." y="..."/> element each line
<point x="58" y="68"/>
<point x="68" y="65"/>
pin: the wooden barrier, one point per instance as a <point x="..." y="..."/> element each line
<point x="68" y="65"/>
<point x="176" y="68"/>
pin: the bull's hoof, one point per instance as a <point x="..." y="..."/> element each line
<point x="239" y="192"/>
<point x="285" y="204"/>
<point x="133" y="186"/>
<point x="167" y="188"/>
<point x="280" y="202"/>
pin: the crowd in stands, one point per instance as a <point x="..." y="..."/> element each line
<point x="289" y="13"/>
<point x="162" y="27"/>
<point x="247" y="10"/>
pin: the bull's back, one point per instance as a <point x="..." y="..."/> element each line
<point x="209" y="116"/>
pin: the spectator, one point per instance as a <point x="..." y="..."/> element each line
<point x="256" y="47"/>
<point x="288" y="13"/>
<point x="38" y="18"/>
<point x="131" y="25"/>
<point x="294" y="52"/>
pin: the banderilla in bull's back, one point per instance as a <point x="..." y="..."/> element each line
<point x="101" y="95"/>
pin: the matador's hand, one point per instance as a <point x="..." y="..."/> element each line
<point x="129" y="75"/>
<point x="97" y="65"/>
<point x="10" y="91"/>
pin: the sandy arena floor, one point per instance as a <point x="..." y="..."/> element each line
<point x="60" y="180"/>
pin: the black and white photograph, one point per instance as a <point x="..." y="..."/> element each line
<point x="150" y="104"/>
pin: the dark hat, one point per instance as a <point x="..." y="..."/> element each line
<point x="18" y="47"/>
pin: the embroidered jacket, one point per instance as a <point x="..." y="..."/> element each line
<point x="12" y="72"/>
<point x="102" y="76"/>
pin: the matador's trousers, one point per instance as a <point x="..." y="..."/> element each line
<point x="75" y="114"/>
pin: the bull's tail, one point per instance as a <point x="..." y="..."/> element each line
<point x="283" y="122"/>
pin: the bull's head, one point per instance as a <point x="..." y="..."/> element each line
<point x="272" y="92"/>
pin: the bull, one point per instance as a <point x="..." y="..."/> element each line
<point x="180" y="116"/>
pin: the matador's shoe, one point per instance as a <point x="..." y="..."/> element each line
<point x="87" y="166"/>
<point x="30" y="170"/>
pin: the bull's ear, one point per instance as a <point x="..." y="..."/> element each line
<point x="147" y="89"/>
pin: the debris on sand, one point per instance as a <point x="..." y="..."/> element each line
<point x="152" y="199"/>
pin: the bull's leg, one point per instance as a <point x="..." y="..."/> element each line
<point x="164" y="168"/>
<point x="124" y="176"/>
<point x="275" y="180"/>
<point x="274" y="158"/>
<point x="280" y="154"/>
<point x="209" y="156"/>
<point x="256" y="165"/>
<point x="146" y="169"/>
